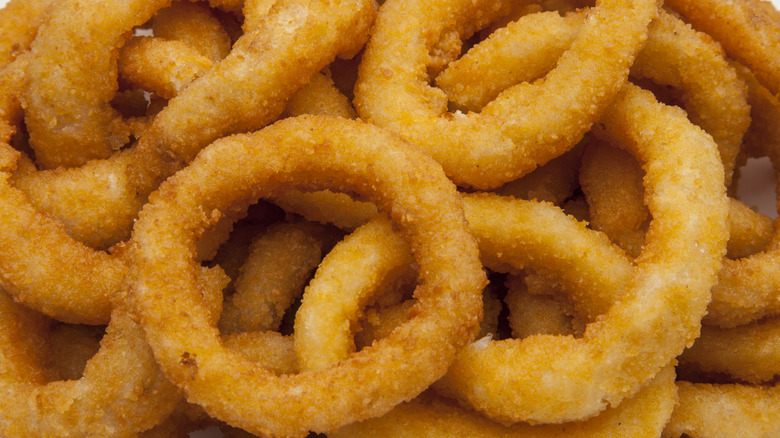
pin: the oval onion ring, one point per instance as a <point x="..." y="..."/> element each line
<point x="329" y="153"/>
<point x="83" y="293"/>
<point x="542" y="387"/>
<point x="115" y="396"/>
<point x="643" y="415"/>
<point x="527" y="125"/>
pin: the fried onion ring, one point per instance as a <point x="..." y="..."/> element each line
<point x="748" y="353"/>
<point x="643" y="415"/>
<point x="721" y="411"/>
<point x="82" y="294"/>
<point x="114" y="397"/>
<point x="276" y="270"/>
<point x="747" y="30"/>
<point x="164" y="67"/>
<point x="194" y="25"/>
<point x="674" y="55"/>
<point x="527" y="125"/>
<point x="538" y="390"/>
<point x="405" y="183"/>
<point x="71" y="80"/>
<point x="20" y="20"/>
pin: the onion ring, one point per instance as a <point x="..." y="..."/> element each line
<point x="71" y="80"/>
<point x="674" y="55"/>
<point x="643" y="415"/>
<point x="529" y="124"/>
<point x="729" y="410"/>
<point x="164" y="67"/>
<point x="416" y="195"/>
<point x="276" y="270"/>
<point x="538" y="389"/>
<point x="747" y="287"/>
<point x="612" y="182"/>
<point x="115" y="397"/>
<point x="748" y="31"/>
<point x="194" y="25"/>
<point x="748" y="353"/>
<point x="634" y="118"/>
<point x="20" y="20"/>
<point x="360" y="264"/>
<point x="535" y="313"/>
<point x="82" y="295"/>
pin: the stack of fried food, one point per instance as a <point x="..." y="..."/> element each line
<point x="415" y="218"/>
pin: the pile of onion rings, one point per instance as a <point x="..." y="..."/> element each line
<point x="288" y="218"/>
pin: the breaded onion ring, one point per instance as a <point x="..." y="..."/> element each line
<point x="747" y="288"/>
<point x="536" y="313"/>
<point x="275" y="272"/>
<point x="114" y="397"/>
<point x="71" y="80"/>
<point x="19" y="20"/>
<point x="674" y="55"/>
<point x="747" y="29"/>
<point x="643" y="415"/>
<point x="611" y="180"/>
<point x="162" y="66"/>
<point x="693" y="247"/>
<point x="81" y="294"/>
<point x="748" y="353"/>
<point x="543" y="385"/>
<point x="725" y="411"/>
<point x="527" y="125"/>
<point x="194" y="25"/>
<point x="360" y="265"/>
<point x="328" y="153"/>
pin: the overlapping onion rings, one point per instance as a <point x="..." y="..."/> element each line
<point x="114" y="397"/>
<point x="643" y="415"/>
<point x="176" y="135"/>
<point x="527" y="125"/>
<point x="539" y="389"/>
<point x="405" y="183"/>
<point x="594" y="301"/>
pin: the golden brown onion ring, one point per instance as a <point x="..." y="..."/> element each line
<point x="329" y="153"/>
<point x="749" y="30"/>
<point x="728" y="410"/>
<point x="536" y="313"/>
<point x="194" y="25"/>
<point x="527" y="125"/>
<point x="747" y="288"/>
<point x="360" y="264"/>
<point x="320" y="96"/>
<point x="612" y="183"/>
<point x="82" y="294"/>
<point x="674" y="55"/>
<point x="555" y="181"/>
<point x="273" y="275"/>
<point x="637" y="122"/>
<point x="114" y="397"/>
<point x="748" y="353"/>
<point x="72" y="78"/>
<point x="183" y="123"/>
<point x="538" y="389"/>
<point x="643" y="415"/>
<point x="164" y="67"/>
<point x="20" y="20"/>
